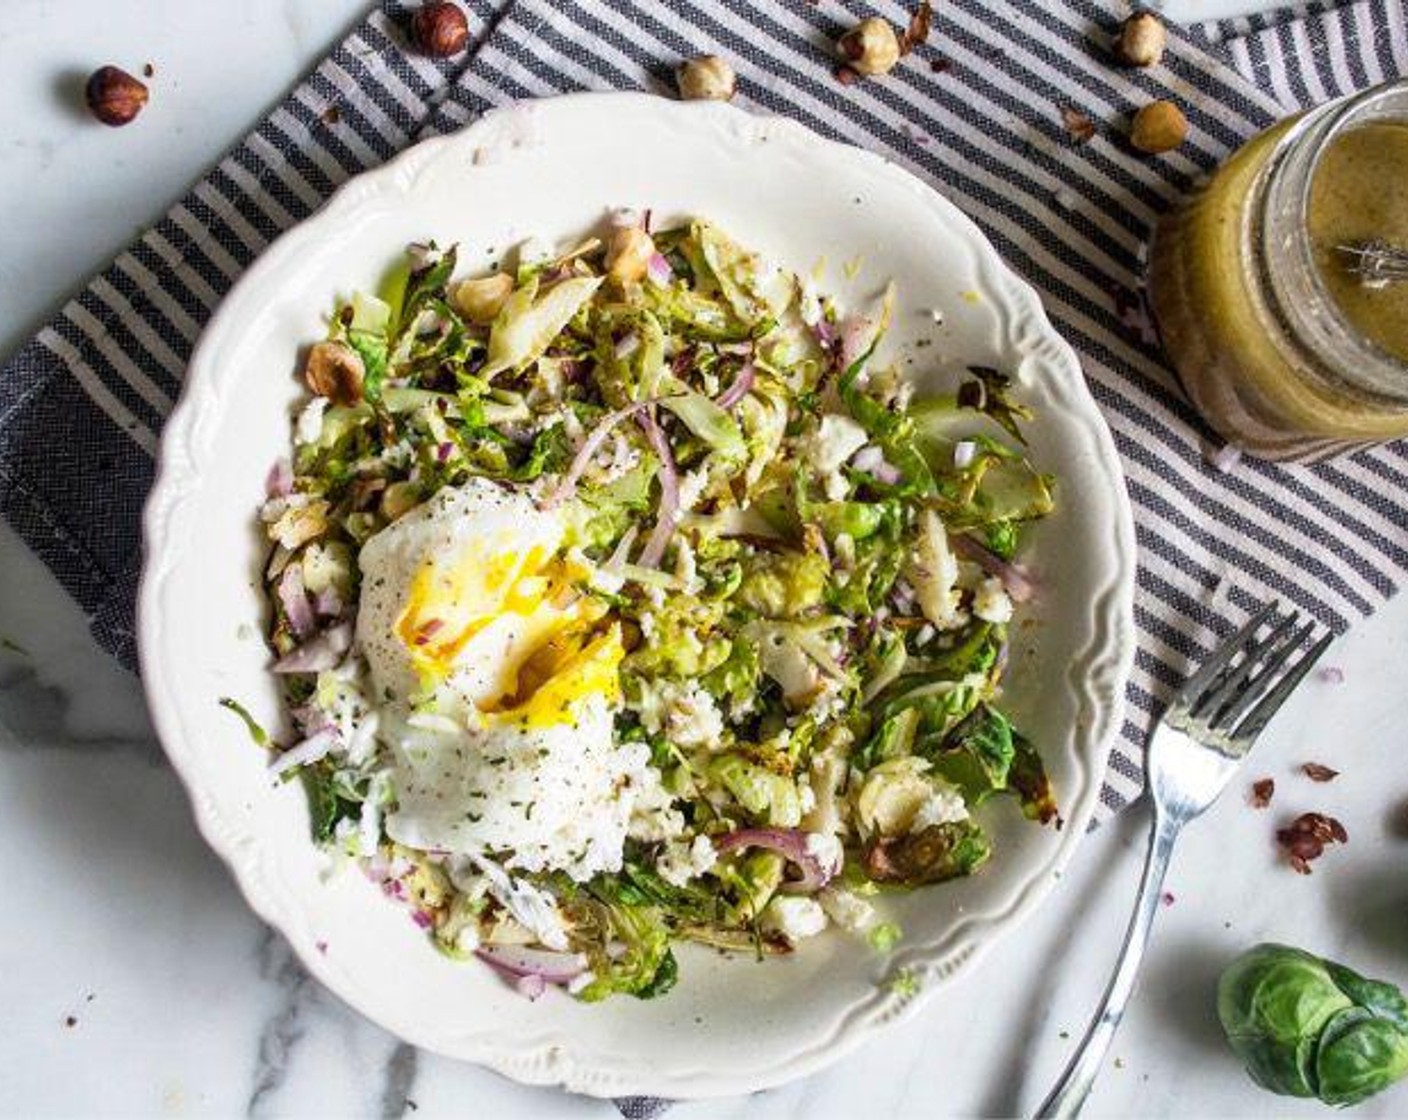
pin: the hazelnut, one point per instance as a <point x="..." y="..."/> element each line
<point x="334" y="370"/>
<point x="870" y="47"/>
<point x="439" y="29"/>
<point x="480" y="299"/>
<point x="1158" y="127"/>
<point x="708" y="78"/>
<point x="628" y="255"/>
<point x="115" y="96"/>
<point x="1141" y="40"/>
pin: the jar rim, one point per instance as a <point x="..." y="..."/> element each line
<point x="1285" y="228"/>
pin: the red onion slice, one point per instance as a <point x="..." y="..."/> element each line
<point x="279" y="482"/>
<point x="791" y="843"/>
<point x="328" y="603"/>
<point x="741" y="387"/>
<point x="590" y="446"/>
<point x="305" y="753"/>
<point x="294" y="597"/>
<point x="658" y="270"/>
<point x="520" y="960"/>
<point x="322" y="651"/>
<point x="1016" y="580"/>
<point x="655" y="546"/>
<point x="871" y="460"/>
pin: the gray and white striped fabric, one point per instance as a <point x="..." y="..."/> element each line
<point x="976" y="111"/>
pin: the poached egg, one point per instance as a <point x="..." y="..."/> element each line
<point x="496" y="683"/>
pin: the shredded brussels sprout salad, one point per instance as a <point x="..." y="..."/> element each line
<point x="624" y="599"/>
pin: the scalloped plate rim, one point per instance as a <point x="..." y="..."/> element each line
<point x="551" y="1059"/>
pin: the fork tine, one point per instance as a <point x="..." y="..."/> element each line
<point x="1229" y="684"/>
<point x="1262" y="714"/>
<point x="1193" y="687"/>
<point x="1275" y="660"/>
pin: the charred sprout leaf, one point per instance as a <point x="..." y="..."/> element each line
<point x="932" y="855"/>
<point x="1029" y="780"/>
<point x="989" y="392"/>
<point x="1308" y="1027"/>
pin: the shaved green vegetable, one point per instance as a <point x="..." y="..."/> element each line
<point x="758" y="525"/>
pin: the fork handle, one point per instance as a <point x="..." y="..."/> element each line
<point x="1067" y="1098"/>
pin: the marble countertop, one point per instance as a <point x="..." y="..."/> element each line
<point x="135" y="980"/>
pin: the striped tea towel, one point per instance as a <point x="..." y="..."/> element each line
<point x="977" y="110"/>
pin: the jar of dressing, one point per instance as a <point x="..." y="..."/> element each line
<point x="1284" y="350"/>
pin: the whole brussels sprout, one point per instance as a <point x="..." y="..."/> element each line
<point x="1308" y="1027"/>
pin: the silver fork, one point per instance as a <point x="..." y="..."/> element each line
<point x="1197" y="745"/>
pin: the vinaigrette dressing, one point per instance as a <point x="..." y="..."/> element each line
<point x="1281" y="349"/>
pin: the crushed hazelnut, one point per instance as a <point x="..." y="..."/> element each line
<point x="1305" y="838"/>
<point x="481" y="298"/>
<point x="1262" y="792"/>
<point x="870" y="47"/>
<point x="1158" y="127"/>
<point x="918" y="29"/>
<point x="1317" y="773"/>
<point x="1141" y="40"/>
<point x="628" y="255"/>
<point x="708" y="78"/>
<point x="1079" y="127"/>
<point x="334" y="370"/>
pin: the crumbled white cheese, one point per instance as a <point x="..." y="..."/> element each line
<point x="692" y="484"/>
<point x="806" y="798"/>
<point x="794" y="916"/>
<point x="310" y="421"/>
<point x="847" y="909"/>
<point x="826" y="849"/>
<point x="653" y="816"/>
<point x="991" y="602"/>
<point x="943" y="806"/>
<point x="687" y="713"/>
<point x="683" y="860"/>
<point x="836" y="440"/>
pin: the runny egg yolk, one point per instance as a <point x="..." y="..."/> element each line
<point x="569" y="668"/>
<point x="559" y="657"/>
<point x="448" y="604"/>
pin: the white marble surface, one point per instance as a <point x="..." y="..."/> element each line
<point x="134" y="980"/>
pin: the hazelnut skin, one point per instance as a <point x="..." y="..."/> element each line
<point x="115" y="96"/>
<point x="1158" y="127"/>
<point x="709" y="78"/>
<point x="870" y="47"/>
<point x="440" y="29"/>
<point x="336" y="371"/>
<point x="1141" y="40"/>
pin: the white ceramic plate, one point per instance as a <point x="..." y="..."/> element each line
<point x="555" y="168"/>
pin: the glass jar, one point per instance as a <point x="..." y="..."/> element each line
<point x="1282" y="350"/>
